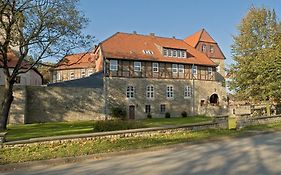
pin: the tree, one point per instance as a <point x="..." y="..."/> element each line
<point x="255" y="72"/>
<point x="41" y="29"/>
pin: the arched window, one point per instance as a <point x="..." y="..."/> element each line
<point x="214" y="99"/>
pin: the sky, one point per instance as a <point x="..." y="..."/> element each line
<point x="168" y="18"/>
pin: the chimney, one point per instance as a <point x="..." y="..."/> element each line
<point x="152" y="34"/>
<point x="134" y="32"/>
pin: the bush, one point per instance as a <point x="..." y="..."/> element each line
<point x="149" y="115"/>
<point x="118" y="112"/>
<point x="184" y="114"/>
<point x="167" y="115"/>
<point x="115" y="125"/>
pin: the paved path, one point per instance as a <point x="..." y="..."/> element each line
<point x="255" y="155"/>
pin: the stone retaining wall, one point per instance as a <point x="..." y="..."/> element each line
<point x="217" y="123"/>
<point x="243" y="121"/>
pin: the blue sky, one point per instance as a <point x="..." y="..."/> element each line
<point x="167" y="18"/>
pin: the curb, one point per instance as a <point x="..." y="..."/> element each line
<point x="101" y="156"/>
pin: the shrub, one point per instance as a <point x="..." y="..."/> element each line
<point x="184" y="114"/>
<point x="118" y="112"/>
<point x="167" y="115"/>
<point x="115" y="125"/>
<point x="149" y="115"/>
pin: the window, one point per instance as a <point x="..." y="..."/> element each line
<point x="210" y="71"/>
<point x="170" y="92"/>
<point x="83" y="73"/>
<point x="174" y="53"/>
<point x="113" y="65"/>
<point x="149" y="91"/>
<point x="72" y="76"/>
<point x="147" y="109"/>
<point x="165" y="52"/>
<point x="204" y="48"/>
<point x="194" y="70"/>
<point x="181" y="68"/>
<point x="148" y="52"/>
<point x="212" y="49"/>
<point x="155" y="67"/>
<point x="58" y="76"/>
<point x="183" y="54"/>
<point x="187" y="91"/>
<point x="17" y="80"/>
<point x="218" y="68"/>
<point x="90" y="71"/>
<point x="174" y="68"/>
<point x="162" y="108"/>
<point x="137" y="66"/>
<point x="130" y="93"/>
<point x="179" y="53"/>
<point x="169" y="52"/>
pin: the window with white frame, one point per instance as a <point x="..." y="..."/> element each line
<point x="147" y="109"/>
<point x="204" y="47"/>
<point x="137" y="66"/>
<point x="155" y="67"/>
<point x="181" y="68"/>
<point x="58" y="76"/>
<point x="113" y="65"/>
<point x="90" y="72"/>
<point x="130" y="92"/>
<point x="212" y="49"/>
<point x="183" y="54"/>
<point x="72" y="76"/>
<point x="194" y="70"/>
<point x="174" y="68"/>
<point x="169" y="53"/>
<point x="83" y="73"/>
<point x="149" y="91"/>
<point x="218" y="68"/>
<point x="170" y="92"/>
<point x="187" y="91"/>
<point x="210" y="71"/>
<point x="174" y="53"/>
<point x="165" y="52"/>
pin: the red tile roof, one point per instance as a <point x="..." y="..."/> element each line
<point x="131" y="46"/>
<point x="201" y="35"/>
<point x="13" y="60"/>
<point x="75" y="61"/>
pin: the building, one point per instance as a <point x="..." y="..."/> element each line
<point x="73" y="66"/>
<point x="30" y="78"/>
<point x="150" y="74"/>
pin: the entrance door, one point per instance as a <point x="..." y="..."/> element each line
<point x="132" y="112"/>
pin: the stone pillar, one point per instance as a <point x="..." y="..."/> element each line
<point x="221" y="121"/>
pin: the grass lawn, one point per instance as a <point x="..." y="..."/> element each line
<point x="79" y="148"/>
<point x="87" y="147"/>
<point x="21" y="132"/>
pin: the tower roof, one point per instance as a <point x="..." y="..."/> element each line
<point x="201" y="35"/>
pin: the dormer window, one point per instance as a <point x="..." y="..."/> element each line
<point x="148" y="52"/>
<point x="204" y="48"/>
<point x="212" y="50"/>
<point x="177" y="53"/>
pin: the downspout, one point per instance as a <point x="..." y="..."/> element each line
<point x="193" y="91"/>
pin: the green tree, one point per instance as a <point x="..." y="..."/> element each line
<point x="257" y="62"/>
<point x="41" y="29"/>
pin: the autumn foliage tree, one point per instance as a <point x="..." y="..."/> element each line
<point x="257" y="55"/>
<point x="40" y="29"/>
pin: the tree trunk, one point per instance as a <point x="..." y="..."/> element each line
<point x="6" y="105"/>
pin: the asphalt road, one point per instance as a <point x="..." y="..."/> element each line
<point x="260" y="154"/>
